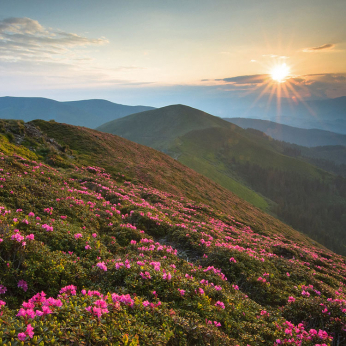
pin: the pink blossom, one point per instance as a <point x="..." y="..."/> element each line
<point x="21" y="336"/>
<point x="182" y="292"/>
<point x="69" y="290"/>
<point x="30" y="237"/>
<point x="23" y="284"/>
<point x="29" y="331"/>
<point x="220" y="304"/>
<point x="102" y="266"/>
<point x="291" y="299"/>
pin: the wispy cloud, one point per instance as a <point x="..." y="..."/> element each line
<point x="248" y="79"/>
<point x="321" y="85"/>
<point x="41" y="56"/>
<point x="324" y="47"/>
<point x="26" y="39"/>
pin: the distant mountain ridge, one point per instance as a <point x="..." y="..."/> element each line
<point x="305" y="137"/>
<point x="87" y="113"/>
<point x="327" y="114"/>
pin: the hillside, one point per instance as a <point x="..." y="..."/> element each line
<point x="290" y="134"/>
<point x="158" y="128"/>
<point x="304" y="196"/>
<point x="88" y="113"/>
<point x="100" y="256"/>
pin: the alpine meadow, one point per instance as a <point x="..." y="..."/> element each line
<point x="173" y="173"/>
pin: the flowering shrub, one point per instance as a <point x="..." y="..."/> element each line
<point x="88" y="257"/>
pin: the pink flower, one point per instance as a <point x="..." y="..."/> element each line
<point x="3" y="289"/>
<point x="17" y="236"/>
<point x="30" y="237"/>
<point x="68" y="290"/>
<point x="291" y="299"/>
<point x="23" y="284"/>
<point x="102" y="266"/>
<point x="78" y="235"/>
<point x="31" y="214"/>
<point x="30" y="331"/>
<point x="94" y="235"/>
<point x="21" y="336"/>
<point x="87" y="247"/>
<point x="145" y="303"/>
<point x="220" y="304"/>
<point x="182" y="292"/>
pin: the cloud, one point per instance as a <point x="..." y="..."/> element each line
<point x="308" y="86"/>
<point x="247" y="79"/>
<point x="26" y="39"/>
<point x="324" y="47"/>
<point x="41" y="55"/>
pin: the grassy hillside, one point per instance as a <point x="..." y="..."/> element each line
<point x="290" y="134"/>
<point x="250" y="164"/>
<point x="158" y="128"/>
<point x="88" y="113"/>
<point x="90" y="256"/>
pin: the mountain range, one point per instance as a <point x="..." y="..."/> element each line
<point x="88" y="113"/>
<point x="326" y="114"/>
<point x="304" y="137"/>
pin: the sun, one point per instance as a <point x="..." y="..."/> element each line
<point x="279" y="73"/>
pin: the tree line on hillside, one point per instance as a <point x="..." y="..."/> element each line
<point x="312" y="206"/>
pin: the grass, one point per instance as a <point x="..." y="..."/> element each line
<point x="88" y="257"/>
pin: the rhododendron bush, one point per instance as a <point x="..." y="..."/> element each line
<point x="88" y="258"/>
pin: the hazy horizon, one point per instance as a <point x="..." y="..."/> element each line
<point x="208" y="55"/>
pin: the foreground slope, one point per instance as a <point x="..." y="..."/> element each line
<point x="88" y="258"/>
<point x="89" y="113"/>
<point x="251" y="165"/>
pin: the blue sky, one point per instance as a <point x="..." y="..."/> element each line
<point x="208" y="54"/>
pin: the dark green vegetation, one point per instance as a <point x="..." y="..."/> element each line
<point x="146" y="251"/>
<point x="295" y="135"/>
<point x="89" y="113"/>
<point x="306" y="197"/>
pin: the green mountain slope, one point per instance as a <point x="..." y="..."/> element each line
<point x="88" y="113"/>
<point x="310" y="199"/>
<point x="96" y="255"/>
<point x="159" y="127"/>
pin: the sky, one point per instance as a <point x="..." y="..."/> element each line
<point x="210" y="54"/>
